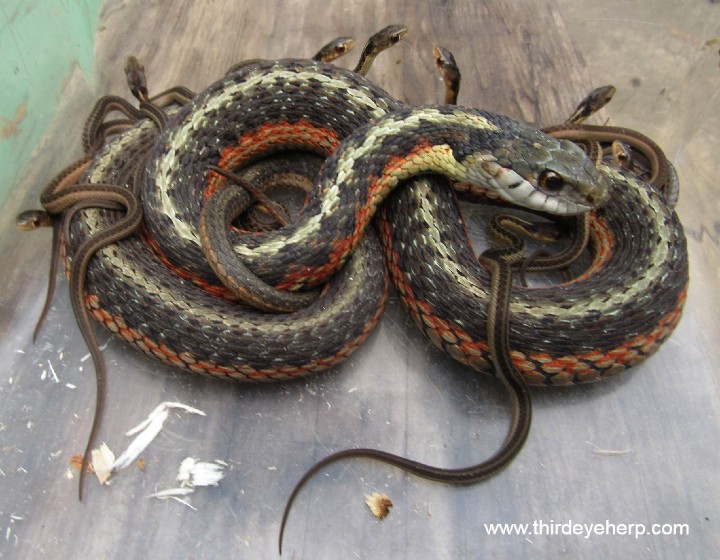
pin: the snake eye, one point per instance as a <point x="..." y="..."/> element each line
<point x="550" y="182"/>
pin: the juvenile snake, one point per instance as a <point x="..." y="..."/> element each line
<point x="499" y="263"/>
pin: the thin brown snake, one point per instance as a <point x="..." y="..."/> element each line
<point x="380" y="41"/>
<point x="450" y="72"/>
<point x="500" y="262"/>
<point x="65" y="195"/>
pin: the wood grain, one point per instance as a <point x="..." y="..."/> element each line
<point x="515" y="60"/>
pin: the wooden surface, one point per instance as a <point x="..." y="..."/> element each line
<point x="396" y="393"/>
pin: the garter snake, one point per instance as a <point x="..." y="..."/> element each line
<point x="127" y="292"/>
<point x="287" y="354"/>
<point x="125" y="272"/>
<point x="425" y="258"/>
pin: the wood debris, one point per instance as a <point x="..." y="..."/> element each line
<point x="379" y="504"/>
<point x="144" y="433"/>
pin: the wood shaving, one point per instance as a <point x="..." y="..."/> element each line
<point x="608" y="452"/>
<point x="191" y="474"/>
<point x="194" y="473"/>
<point x="102" y="462"/>
<point x="379" y="504"/>
<point x="144" y="433"/>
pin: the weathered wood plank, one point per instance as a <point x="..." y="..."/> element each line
<point x="515" y="59"/>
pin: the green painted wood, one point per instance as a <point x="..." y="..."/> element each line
<point x="40" y="41"/>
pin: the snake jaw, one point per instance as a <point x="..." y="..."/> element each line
<point x="520" y="184"/>
<point x="32" y="219"/>
<point x="583" y="186"/>
<point x="574" y="197"/>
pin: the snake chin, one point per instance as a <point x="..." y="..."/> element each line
<point x="569" y="200"/>
<point x="588" y="195"/>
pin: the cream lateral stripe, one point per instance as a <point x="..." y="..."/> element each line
<point x="261" y="80"/>
<point x="422" y="194"/>
<point x="397" y="127"/>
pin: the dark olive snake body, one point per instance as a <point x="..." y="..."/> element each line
<point x="458" y="333"/>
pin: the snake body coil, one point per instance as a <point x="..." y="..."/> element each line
<point x="276" y="106"/>
<point x="171" y="318"/>
<point x="610" y="318"/>
<point x="631" y="304"/>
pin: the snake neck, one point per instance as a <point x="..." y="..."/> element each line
<point x="465" y="145"/>
<point x="381" y="142"/>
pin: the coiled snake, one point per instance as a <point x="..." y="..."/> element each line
<point x="611" y="317"/>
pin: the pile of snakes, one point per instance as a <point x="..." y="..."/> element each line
<point x="226" y="232"/>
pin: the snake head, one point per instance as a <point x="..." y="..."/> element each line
<point x="388" y="36"/>
<point x="135" y="76"/>
<point x="32" y="219"/>
<point x="546" y="174"/>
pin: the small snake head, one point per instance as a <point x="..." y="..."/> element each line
<point x="388" y="36"/>
<point x="135" y="76"/>
<point x="343" y="45"/>
<point x="550" y="175"/>
<point x="595" y="100"/>
<point x="32" y="219"/>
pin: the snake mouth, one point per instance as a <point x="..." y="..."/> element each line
<point x="553" y="193"/>
<point x="590" y="196"/>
